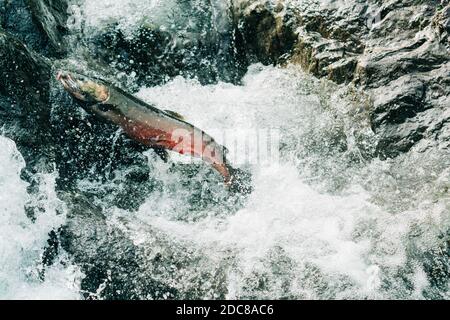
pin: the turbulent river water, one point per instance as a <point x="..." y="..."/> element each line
<point x="325" y="220"/>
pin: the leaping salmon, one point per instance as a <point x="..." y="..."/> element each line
<point x="149" y="125"/>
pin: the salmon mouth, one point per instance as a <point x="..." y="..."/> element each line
<point x="70" y="84"/>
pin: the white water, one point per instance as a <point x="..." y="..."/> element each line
<point x="292" y="235"/>
<point x="22" y="241"/>
<point x="131" y="14"/>
<point x="128" y="14"/>
<point x="337" y="246"/>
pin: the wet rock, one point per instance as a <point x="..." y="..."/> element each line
<point x="410" y="109"/>
<point x="380" y="65"/>
<point x="16" y="18"/>
<point x="39" y="24"/>
<point x="88" y="239"/>
<point x="319" y="40"/>
<point x="24" y="97"/>
<point x="403" y="100"/>
<point x="25" y="74"/>
<point x="151" y="267"/>
<point x="51" y="18"/>
<point x="397" y="51"/>
<point x="265" y="31"/>
<point x="441" y="22"/>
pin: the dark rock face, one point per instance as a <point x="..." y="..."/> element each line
<point x="39" y="24"/>
<point x="111" y="271"/>
<point x="51" y="17"/>
<point x="406" y="69"/>
<point x="319" y="39"/>
<point x="16" y="18"/>
<point x="153" y="269"/>
<point x="25" y="73"/>
<point x="24" y="97"/>
<point x="412" y="108"/>
<point x="397" y="51"/>
<point x="263" y="34"/>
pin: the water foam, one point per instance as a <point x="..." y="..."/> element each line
<point x="292" y="239"/>
<point x="128" y="15"/>
<point x="22" y="241"/>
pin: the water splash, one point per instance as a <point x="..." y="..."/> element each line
<point x="316" y="225"/>
<point x="22" y="241"/>
<point x="326" y="221"/>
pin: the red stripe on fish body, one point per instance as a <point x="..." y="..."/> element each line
<point x="155" y="128"/>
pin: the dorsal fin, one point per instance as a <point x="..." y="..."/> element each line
<point x="174" y="114"/>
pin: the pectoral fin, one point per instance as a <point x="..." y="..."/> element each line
<point x="174" y="114"/>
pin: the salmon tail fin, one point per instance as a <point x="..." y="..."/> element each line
<point x="240" y="181"/>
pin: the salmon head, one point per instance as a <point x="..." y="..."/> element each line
<point x="83" y="88"/>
